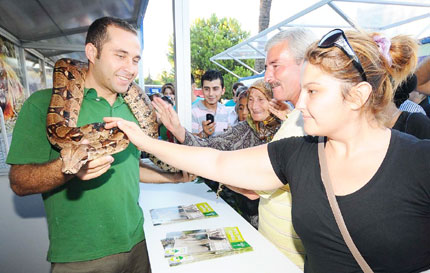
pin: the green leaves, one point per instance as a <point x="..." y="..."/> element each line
<point x="209" y="37"/>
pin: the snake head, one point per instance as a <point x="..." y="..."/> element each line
<point x="74" y="157"/>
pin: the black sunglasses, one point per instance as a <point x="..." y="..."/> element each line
<point x="337" y="38"/>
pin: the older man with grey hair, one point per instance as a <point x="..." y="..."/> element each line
<point x="285" y="54"/>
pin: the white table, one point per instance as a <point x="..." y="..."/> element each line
<point x="264" y="258"/>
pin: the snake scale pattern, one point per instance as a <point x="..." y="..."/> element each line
<point x="63" y="113"/>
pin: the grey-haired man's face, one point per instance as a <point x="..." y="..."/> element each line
<point x="283" y="73"/>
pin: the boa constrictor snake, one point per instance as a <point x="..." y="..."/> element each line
<point x="63" y="113"/>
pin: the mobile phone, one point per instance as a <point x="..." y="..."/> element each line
<point x="167" y="99"/>
<point x="210" y="118"/>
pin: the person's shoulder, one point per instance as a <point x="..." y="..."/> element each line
<point x="410" y="150"/>
<point x="419" y="117"/>
<point x="298" y="148"/>
<point x="41" y="94"/>
<point x="298" y="140"/>
<point x="222" y="106"/>
<point x="409" y="142"/>
<point x="198" y="105"/>
<point x="241" y="125"/>
<point x="40" y="98"/>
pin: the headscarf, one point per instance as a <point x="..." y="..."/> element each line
<point x="267" y="128"/>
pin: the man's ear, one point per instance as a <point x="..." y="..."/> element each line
<point x="91" y="52"/>
<point x="223" y="91"/>
<point x="359" y="95"/>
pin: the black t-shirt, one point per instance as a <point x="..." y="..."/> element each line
<point x="415" y="124"/>
<point x="426" y="106"/>
<point x="388" y="218"/>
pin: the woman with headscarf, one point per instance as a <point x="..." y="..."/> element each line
<point x="258" y="128"/>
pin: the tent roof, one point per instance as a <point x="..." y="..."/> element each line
<point x="390" y="17"/>
<point x="57" y="28"/>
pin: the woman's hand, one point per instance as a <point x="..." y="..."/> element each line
<point x="131" y="129"/>
<point x="279" y="108"/>
<point x="168" y="116"/>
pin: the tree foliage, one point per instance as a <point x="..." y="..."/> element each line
<point x="150" y="81"/>
<point x="209" y="37"/>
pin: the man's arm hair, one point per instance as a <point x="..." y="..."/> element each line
<point x="150" y="174"/>
<point x="37" y="178"/>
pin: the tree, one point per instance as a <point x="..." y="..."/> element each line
<point x="209" y="37"/>
<point x="150" y="81"/>
<point x="263" y="23"/>
<point x="167" y="77"/>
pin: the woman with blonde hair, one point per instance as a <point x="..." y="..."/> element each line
<point x="380" y="177"/>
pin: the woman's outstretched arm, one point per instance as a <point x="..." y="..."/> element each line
<point x="248" y="168"/>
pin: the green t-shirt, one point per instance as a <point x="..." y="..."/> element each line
<point x="86" y="219"/>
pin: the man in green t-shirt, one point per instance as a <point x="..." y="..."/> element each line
<point x="94" y="220"/>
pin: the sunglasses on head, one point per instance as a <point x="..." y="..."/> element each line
<point x="337" y="38"/>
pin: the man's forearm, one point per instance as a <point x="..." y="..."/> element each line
<point x="423" y="72"/>
<point x="37" y="178"/>
<point x="424" y="88"/>
<point x="149" y="174"/>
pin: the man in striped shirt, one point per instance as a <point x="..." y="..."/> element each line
<point x="213" y="89"/>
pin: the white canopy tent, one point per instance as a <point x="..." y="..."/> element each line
<point x="390" y="17"/>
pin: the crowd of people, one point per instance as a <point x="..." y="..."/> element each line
<point x="346" y="93"/>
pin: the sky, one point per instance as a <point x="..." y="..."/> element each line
<point x="158" y="23"/>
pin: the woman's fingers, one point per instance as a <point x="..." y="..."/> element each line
<point x="131" y="129"/>
<point x="111" y="122"/>
<point x="160" y="105"/>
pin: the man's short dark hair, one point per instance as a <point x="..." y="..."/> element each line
<point x="402" y="92"/>
<point x="97" y="32"/>
<point x="192" y="79"/>
<point x="212" y="75"/>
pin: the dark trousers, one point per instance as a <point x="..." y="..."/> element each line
<point x="134" y="261"/>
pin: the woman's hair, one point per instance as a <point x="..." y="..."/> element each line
<point x="263" y="87"/>
<point x="383" y="75"/>
<point x="168" y="85"/>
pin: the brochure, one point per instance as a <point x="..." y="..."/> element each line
<point x="197" y="245"/>
<point x="181" y="213"/>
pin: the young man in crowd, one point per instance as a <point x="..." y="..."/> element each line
<point x="94" y="220"/>
<point x="223" y="117"/>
